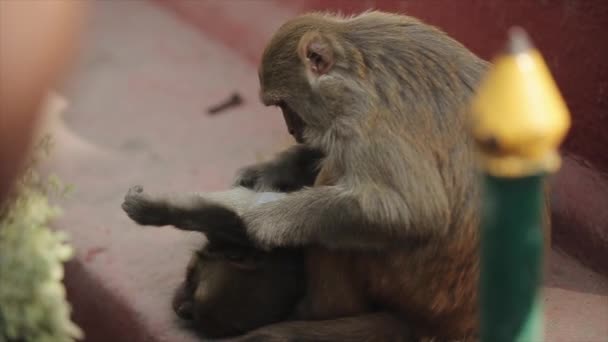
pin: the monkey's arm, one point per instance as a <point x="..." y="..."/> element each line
<point x="290" y="170"/>
<point x="330" y="216"/>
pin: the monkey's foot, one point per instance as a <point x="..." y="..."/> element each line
<point x="144" y="209"/>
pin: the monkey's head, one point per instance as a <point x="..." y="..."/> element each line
<point x="327" y="72"/>
<point x="304" y="70"/>
<point x="230" y="290"/>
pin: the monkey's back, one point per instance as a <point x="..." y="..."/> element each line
<point x="433" y="285"/>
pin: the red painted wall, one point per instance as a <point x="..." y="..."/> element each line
<point x="571" y="34"/>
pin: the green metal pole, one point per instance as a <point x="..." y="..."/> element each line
<point x="518" y="121"/>
<point x="511" y="259"/>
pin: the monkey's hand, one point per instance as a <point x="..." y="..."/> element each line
<point x="145" y="209"/>
<point x="291" y="170"/>
<point x="268" y="177"/>
<point x="272" y="177"/>
<point x="249" y="177"/>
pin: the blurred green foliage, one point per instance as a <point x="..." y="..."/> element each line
<point x="32" y="296"/>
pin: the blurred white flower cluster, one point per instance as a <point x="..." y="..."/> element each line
<point x="33" y="306"/>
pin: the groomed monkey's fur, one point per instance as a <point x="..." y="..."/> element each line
<point x="391" y="222"/>
<point x="230" y="287"/>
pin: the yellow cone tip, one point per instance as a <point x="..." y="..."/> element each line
<point x="519" y="118"/>
<point x="519" y="42"/>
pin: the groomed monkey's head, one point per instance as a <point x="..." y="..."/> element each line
<point x="230" y="290"/>
<point x="327" y="72"/>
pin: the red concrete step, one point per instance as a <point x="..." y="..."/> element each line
<point x="137" y="115"/>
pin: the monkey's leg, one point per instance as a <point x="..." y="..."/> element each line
<point x="215" y="214"/>
<point x="373" y="327"/>
<point x="333" y="288"/>
<point x="290" y="170"/>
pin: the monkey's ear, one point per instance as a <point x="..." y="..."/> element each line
<point x="316" y="52"/>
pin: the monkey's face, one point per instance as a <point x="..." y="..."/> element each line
<point x="306" y="72"/>
<point x="231" y="291"/>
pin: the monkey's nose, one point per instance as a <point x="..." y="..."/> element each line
<point x="184" y="310"/>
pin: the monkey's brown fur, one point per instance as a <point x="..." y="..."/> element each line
<point x="230" y="290"/>
<point x="389" y="115"/>
<point x="395" y="208"/>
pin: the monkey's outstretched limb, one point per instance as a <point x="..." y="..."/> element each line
<point x="216" y="214"/>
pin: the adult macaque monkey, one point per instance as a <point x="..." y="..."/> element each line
<point x="394" y="211"/>
<point x="391" y="223"/>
